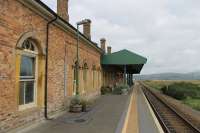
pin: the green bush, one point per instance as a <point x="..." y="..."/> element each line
<point x="182" y="90"/>
<point x="194" y="103"/>
<point x="118" y="89"/>
<point x="105" y="90"/>
<point x="76" y="100"/>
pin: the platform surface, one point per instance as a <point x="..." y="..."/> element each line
<point x="145" y="118"/>
<point x="104" y="118"/>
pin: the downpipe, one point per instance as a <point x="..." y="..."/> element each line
<point x="46" y="69"/>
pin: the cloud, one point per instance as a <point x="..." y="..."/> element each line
<point x="165" y="31"/>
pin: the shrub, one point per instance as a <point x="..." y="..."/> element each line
<point x="118" y="89"/>
<point x="105" y="90"/>
<point x="85" y="103"/>
<point x="182" y="90"/>
<point x="76" y="100"/>
<point x="194" y="103"/>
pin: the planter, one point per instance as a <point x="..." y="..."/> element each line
<point x="124" y="92"/>
<point x="76" y="108"/>
<point x="86" y="108"/>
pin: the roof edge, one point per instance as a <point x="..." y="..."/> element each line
<point x="47" y="13"/>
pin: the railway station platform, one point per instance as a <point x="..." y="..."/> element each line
<point x="103" y="118"/>
<point x="141" y="117"/>
<point x="112" y="114"/>
<point x="147" y="120"/>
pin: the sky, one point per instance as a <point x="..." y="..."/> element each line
<point x="166" y="32"/>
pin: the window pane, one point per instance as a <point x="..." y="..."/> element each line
<point x="27" y="66"/>
<point x="28" y="45"/>
<point x="29" y="93"/>
<point x="21" y="93"/>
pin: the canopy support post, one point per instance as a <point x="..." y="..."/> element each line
<point x="125" y="75"/>
<point x="130" y="79"/>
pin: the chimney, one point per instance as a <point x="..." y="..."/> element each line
<point x="103" y="44"/>
<point x="109" y="49"/>
<point x="87" y="29"/>
<point x="62" y="9"/>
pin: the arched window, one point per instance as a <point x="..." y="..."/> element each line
<point x="28" y="72"/>
<point x="75" y="78"/>
<point x="28" y="45"/>
<point x="85" y="70"/>
<point x="94" y="69"/>
<point x="99" y="77"/>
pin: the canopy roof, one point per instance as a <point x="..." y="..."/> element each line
<point x="123" y="57"/>
<point x="118" y="60"/>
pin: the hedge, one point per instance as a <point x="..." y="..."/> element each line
<point x="182" y="90"/>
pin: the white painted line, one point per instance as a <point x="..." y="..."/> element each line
<point x="153" y="115"/>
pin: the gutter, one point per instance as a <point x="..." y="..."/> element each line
<point x="47" y="13"/>
<point x="46" y="68"/>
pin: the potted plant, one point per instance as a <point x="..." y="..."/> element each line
<point x="105" y="90"/>
<point x="125" y="89"/>
<point x="75" y="104"/>
<point x="121" y="89"/>
<point x="85" y="104"/>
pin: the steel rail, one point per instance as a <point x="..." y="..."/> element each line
<point x="164" y="126"/>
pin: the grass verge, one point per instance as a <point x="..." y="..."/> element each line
<point x="188" y="92"/>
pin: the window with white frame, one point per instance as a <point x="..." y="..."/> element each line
<point x="27" y="85"/>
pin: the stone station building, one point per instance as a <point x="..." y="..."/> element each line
<point x="38" y="60"/>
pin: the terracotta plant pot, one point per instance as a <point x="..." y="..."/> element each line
<point x="76" y="108"/>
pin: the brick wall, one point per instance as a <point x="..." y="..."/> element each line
<point x="15" y="20"/>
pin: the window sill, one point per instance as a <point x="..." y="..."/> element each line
<point x="29" y="111"/>
<point x="27" y="107"/>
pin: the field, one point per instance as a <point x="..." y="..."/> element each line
<point x="188" y="92"/>
<point x="158" y="84"/>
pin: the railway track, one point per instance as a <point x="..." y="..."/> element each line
<point x="170" y="120"/>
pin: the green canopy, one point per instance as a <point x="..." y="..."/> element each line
<point x="132" y="61"/>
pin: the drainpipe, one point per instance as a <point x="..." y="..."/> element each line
<point x="46" y="67"/>
<point x="65" y="72"/>
<point x="77" y="63"/>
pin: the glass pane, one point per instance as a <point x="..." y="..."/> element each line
<point x="28" y="45"/>
<point x="32" y="48"/>
<point x="29" y="92"/>
<point x="27" y="66"/>
<point x="21" y="93"/>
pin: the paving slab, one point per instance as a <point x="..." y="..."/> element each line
<point x="103" y="118"/>
<point x="146" y="120"/>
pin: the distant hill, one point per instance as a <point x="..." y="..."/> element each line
<point x="170" y="76"/>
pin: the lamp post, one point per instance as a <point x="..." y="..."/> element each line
<point x="77" y="53"/>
